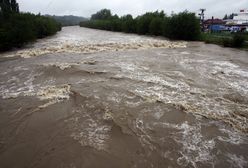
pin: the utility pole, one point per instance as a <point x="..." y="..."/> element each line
<point x="201" y="14"/>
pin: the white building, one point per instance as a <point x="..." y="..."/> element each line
<point x="240" y="18"/>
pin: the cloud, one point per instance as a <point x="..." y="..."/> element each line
<point x="217" y="8"/>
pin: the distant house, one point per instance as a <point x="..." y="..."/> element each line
<point x="239" y="21"/>
<point x="214" y="24"/>
<point x="241" y="18"/>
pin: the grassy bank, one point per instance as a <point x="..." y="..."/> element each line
<point x="17" y="28"/>
<point x="235" y="40"/>
<point x="182" y="26"/>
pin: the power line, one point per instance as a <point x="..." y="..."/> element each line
<point x="202" y="17"/>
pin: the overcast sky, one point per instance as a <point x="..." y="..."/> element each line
<point x="217" y="8"/>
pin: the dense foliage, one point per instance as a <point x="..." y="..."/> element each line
<point x="18" y="28"/>
<point x="183" y="26"/>
<point x="103" y="14"/>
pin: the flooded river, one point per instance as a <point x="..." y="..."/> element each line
<point x="87" y="98"/>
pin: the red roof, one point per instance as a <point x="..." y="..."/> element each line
<point x="214" y="21"/>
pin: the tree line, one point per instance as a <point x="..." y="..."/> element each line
<point x="182" y="26"/>
<point x="68" y="20"/>
<point x="18" y="28"/>
<point x="231" y="16"/>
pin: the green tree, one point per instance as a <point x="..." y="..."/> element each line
<point x="102" y="15"/>
<point x="184" y="26"/>
<point x="128" y="24"/>
<point x="155" y="27"/>
<point x="14" y="6"/>
<point x="231" y="16"/>
<point x="16" y="28"/>
<point x="143" y="22"/>
<point x="9" y="6"/>
<point x="225" y="17"/>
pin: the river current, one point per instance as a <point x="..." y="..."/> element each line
<point x="88" y="98"/>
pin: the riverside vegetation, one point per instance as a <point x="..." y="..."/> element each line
<point x="181" y="26"/>
<point x="68" y="20"/>
<point x="18" y="28"/>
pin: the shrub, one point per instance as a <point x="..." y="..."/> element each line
<point x="227" y="42"/>
<point x="238" y="40"/>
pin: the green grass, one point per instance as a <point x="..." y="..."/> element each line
<point x="226" y="39"/>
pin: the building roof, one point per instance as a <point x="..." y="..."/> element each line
<point x="214" y="21"/>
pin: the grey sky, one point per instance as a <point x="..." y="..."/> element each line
<point x="85" y="8"/>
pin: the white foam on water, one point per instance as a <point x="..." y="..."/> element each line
<point x="139" y="73"/>
<point x="91" y="131"/>
<point x="100" y="47"/>
<point x="61" y="65"/>
<point x="60" y="92"/>
<point x="195" y="148"/>
<point x="144" y="138"/>
<point x="15" y="87"/>
<point x="233" y="137"/>
<point x="237" y="161"/>
<point x="184" y="53"/>
<point x="158" y="114"/>
<point x="198" y="101"/>
<point x="18" y="86"/>
<point x="218" y="109"/>
<point x="93" y="136"/>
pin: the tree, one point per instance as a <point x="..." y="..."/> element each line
<point x="184" y="26"/>
<point x="14" y="6"/>
<point x="143" y="22"/>
<point x="102" y="15"/>
<point x="225" y="17"/>
<point x="128" y="24"/>
<point x="8" y="7"/>
<point x="155" y="27"/>
<point x="231" y="16"/>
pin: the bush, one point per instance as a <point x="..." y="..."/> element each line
<point x="238" y="40"/>
<point x="227" y="40"/>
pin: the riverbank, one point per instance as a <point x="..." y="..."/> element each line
<point x="181" y="26"/>
<point x="17" y="28"/>
<point x="234" y="40"/>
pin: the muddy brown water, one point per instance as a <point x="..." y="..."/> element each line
<point x="88" y="98"/>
